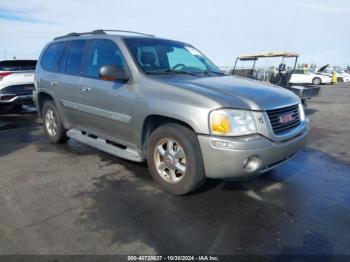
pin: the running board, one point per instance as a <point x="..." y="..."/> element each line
<point x="104" y="145"/>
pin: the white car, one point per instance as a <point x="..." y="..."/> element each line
<point x="299" y="76"/>
<point x="327" y="70"/>
<point x="16" y="83"/>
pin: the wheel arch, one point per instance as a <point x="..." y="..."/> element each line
<point x="151" y="122"/>
<point x="41" y="98"/>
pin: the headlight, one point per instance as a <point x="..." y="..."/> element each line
<point x="301" y="112"/>
<point x="232" y="122"/>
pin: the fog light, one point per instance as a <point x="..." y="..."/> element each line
<point x="252" y="163"/>
<point x="223" y="144"/>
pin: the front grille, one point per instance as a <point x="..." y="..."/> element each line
<point x="26" y="89"/>
<point x="281" y="128"/>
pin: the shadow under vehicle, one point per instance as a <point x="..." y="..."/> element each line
<point x="280" y="76"/>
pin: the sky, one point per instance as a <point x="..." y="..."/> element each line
<point x="221" y="29"/>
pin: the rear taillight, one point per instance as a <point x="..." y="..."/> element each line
<point x="3" y="74"/>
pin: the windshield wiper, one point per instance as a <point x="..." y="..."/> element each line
<point x="213" y="72"/>
<point x="170" y="71"/>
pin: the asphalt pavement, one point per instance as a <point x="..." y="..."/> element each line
<point x="73" y="199"/>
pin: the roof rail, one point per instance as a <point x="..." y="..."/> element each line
<point x="99" y="32"/>
<point x="96" y="32"/>
<point x="120" y="31"/>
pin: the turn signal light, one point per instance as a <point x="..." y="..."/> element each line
<point x="220" y="124"/>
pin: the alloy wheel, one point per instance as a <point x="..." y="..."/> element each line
<point x="170" y="160"/>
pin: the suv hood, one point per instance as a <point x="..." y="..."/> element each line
<point x="237" y="92"/>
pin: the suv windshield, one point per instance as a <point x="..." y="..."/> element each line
<point x="158" y="56"/>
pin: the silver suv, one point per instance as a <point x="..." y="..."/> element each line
<point x="140" y="97"/>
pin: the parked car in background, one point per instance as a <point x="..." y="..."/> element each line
<point x="141" y="98"/>
<point x="327" y="70"/>
<point x="300" y="76"/>
<point x="16" y="83"/>
<point x="342" y="75"/>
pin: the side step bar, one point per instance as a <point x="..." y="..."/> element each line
<point x="104" y="145"/>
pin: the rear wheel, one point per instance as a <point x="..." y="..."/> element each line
<point x="316" y="81"/>
<point x="175" y="160"/>
<point x="53" y="125"/>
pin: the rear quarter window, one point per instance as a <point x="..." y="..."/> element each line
<point x="52" y="55"/>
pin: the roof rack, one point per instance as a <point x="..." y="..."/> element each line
<point x="121" y="31"/>
<point x="100" y="32"/>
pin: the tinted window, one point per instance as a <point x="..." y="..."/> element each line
<point x="63" y="60"/>
<point x="102" y="52"/>
<point x="17" y="65"/>
<point x="74" y="55"/>
<point x="51" y="56"/>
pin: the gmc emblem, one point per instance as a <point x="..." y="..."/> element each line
<point x="286" y="118"/>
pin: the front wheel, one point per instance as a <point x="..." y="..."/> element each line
<point x="175" y="160"/>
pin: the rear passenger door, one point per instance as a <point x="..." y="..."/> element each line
<point x="68" y="81"/>
<point x="105" y="105"/>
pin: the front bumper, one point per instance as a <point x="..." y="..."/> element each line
<point x="247" y="156"/>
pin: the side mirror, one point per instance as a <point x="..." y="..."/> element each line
<point x="113" y="73"/>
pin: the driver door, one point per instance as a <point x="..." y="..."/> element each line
<point x="105" y="106"/>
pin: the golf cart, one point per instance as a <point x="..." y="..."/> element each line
<point x="280" y="75"/>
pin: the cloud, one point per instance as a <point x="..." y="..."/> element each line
<point x="21" y="16"/>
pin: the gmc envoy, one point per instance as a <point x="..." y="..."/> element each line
<point x="144" y="98"/>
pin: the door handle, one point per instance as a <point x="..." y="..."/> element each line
<point x="53" y="83"/>
<point x="86" y="89"/>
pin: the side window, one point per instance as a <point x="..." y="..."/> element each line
<point x="74" y="55"/>
<point x="102" y="52"/>
<point x="52" y="55"/>
<point x="61" y="68"/>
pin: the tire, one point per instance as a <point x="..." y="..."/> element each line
<point x="316" y="81"/>
<point x="57" y="136"/>
<point x="185" y="180"/>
